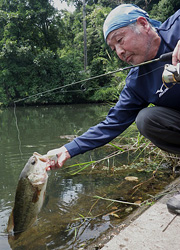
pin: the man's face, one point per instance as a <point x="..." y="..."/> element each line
<point x="132" y="45"/>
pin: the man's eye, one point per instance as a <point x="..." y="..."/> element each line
<point x="119" y="40"/>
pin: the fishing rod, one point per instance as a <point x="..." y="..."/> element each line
<point x="163" y="58"/>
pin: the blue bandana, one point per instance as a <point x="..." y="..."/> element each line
<point x="124" y="15"/>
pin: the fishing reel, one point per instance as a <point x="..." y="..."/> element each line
<point x="171" y="74"/>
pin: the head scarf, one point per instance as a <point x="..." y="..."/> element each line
<point x="124" y="15"/>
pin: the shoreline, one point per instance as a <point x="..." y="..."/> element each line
<point x="148" y="227"/>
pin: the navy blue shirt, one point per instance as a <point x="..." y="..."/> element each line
<point x="143" y="86"/>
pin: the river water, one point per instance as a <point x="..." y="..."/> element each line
<point x="71" y="217"/>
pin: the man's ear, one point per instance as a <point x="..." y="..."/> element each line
<point x="142" y="21"/>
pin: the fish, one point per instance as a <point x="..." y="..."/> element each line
<point x="30" y="194"/>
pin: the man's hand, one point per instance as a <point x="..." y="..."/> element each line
<point x="176" y="54"/>
<point x="57" y="157"/>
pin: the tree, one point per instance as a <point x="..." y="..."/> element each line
<point x="164" y="8"/>
<point x="42" y="48"/>
<point x="28" y="28"/>
<point x="85" y="36"/>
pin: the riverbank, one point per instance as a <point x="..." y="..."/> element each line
<point x="148" y="228"/>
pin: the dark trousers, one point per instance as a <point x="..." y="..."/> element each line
<point x="161" y="126"/>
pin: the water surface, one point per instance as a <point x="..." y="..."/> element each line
<point x="71" y="217"/>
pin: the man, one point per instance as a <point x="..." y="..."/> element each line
<point x="136" y="38"/>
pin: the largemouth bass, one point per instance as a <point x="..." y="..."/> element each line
<point x="30" y="194"/>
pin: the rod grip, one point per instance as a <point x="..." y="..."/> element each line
<point x="166" y="57"/>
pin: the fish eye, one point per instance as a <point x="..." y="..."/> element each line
<point x="33" y="161"/>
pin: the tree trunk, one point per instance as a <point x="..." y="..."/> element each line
<point x="85" y="39"/>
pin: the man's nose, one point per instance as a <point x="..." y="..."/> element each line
<point x="120" y="52"/>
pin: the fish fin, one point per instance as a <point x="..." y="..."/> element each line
<point x="10" y="226"/>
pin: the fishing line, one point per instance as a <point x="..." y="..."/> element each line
<point x="83" y="89"/>
<point x="70" y="84"/>
<point x="62" y="89"/>
<point x="163" y="57"/>
<point x="151" y="71"/>
<point x="51" y="90"/>
<point x="18" y="131"/>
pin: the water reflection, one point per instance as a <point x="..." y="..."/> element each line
<point x="71" y="191"/>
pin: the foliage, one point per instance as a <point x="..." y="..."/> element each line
<point x="42" y="49"/>
<point x="164" y="9"/>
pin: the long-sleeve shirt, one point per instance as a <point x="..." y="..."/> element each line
<point x="143" y="86"/>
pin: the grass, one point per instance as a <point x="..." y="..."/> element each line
<point x="130" y="143"/>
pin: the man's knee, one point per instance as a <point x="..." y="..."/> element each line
<point x="161" y="126"/>
<point x="154" y="120"/>
<point x="142" y="120"/>
<point x="149" y="121"/>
